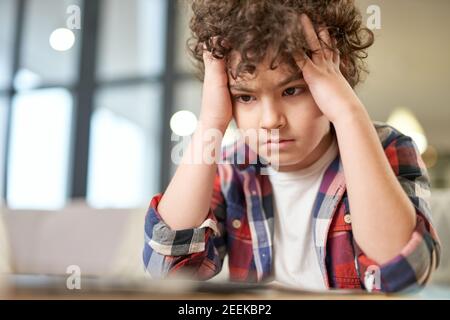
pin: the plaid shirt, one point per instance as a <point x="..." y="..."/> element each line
<point x="240" y="224"/>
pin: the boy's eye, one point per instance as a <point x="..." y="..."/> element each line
<point x="293" y="91"/>
<point x="243" y="98"/>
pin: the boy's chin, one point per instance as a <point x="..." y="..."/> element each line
<point x="284" y="161"/>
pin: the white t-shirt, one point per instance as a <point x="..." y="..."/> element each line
<point x="295" y="261"/>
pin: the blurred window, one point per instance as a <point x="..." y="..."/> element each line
<point x="3" y="122"/>
<point x="132" y="35"/>
<point x="124" y="146"/>
<point x="40" y="63"/>
<point x="7" y="14"/>
<point x="39" y="149"/>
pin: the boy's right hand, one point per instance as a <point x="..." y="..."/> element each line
<point x="216" y="111"/>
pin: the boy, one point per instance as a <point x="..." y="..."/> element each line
<point x="344" y="204"/>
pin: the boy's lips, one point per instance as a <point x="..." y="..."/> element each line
<point x="279" y="140"/>
<point x="280" y="144"/>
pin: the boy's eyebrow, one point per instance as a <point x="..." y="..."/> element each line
<point x="291" y="78"/>
<point x="294" y="77"/>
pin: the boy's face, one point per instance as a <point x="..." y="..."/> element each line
<point x="279" y="99"/>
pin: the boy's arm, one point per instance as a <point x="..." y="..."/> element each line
<point x="186" y="201"/>
<point x="388" y="198"/>
<point x="383" y="218"/>
<point x="184" y="230"/>
<point x="420" y="256"/>
<point x="197" y="253"/>
<point x="386" y="224"/>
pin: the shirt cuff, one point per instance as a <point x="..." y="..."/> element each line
<point x="170" y="242"/>
<point x="412" y="267"/>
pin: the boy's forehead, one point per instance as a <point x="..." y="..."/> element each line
<point x="281" y="75"/>
<point x="235" y="59"/>
<point x="264" y="69"/>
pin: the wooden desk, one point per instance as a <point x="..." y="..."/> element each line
<point x="25" y="287"/>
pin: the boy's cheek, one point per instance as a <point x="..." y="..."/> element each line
<point x="303" y="115"/>
<point x="243" y="121"/>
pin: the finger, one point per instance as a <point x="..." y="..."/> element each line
<point x="336" y="53"/>
<point x="301" y="60"/>
<point x="311" y="37"/>
<point x="324" y="35"/>
<point x="214" y="68"/>
<point x="208" y="57"/>
<point x="212" y="64"/>
<point x="305" y="64"/>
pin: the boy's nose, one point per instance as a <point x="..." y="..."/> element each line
<point x="272" y="116"/>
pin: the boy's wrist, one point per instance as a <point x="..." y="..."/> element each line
<point x="352" y="114"/>
<point x="205" y="124"/>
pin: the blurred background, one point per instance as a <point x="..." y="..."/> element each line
<point x="92" y="90"/>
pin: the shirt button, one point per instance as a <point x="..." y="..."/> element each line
<point x="236" y="224"/>
<point x="347" y="219"/>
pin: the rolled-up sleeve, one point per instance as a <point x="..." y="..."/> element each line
<point x="413" y="266"/>
<point x="177" y="242"/>
<point x="196" y="252"/>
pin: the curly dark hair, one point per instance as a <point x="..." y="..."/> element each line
<point x="252" y="27"/>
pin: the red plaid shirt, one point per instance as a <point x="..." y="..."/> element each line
<point x="240" y="224"/>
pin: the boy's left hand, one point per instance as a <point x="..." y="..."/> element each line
<point x="329" y="88"/>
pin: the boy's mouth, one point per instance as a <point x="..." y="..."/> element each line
<point x="279" y="140"/>
<point x="279" y="143"/>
